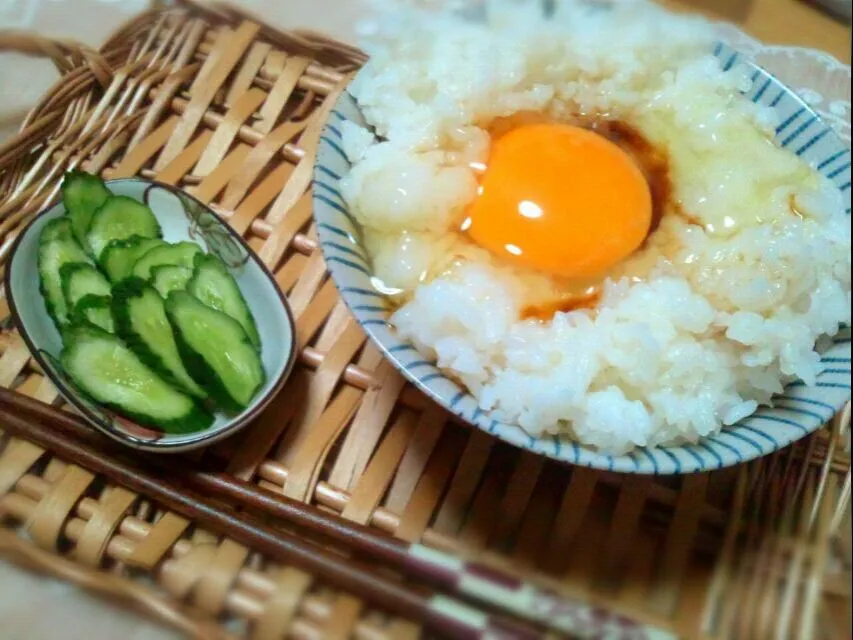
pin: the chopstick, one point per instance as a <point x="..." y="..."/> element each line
<point x="472" y="581"/>
<point x="444" y="615"/>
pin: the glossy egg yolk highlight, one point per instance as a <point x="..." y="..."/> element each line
<point x="562" y="200"/>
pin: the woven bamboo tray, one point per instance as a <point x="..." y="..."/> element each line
<point x="230" y="110"/>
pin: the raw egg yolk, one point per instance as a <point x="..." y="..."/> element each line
<point x="562" y="200"/>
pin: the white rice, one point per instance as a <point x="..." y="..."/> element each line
<point x="729" y="317"/>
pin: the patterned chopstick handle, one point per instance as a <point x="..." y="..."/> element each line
<point x="546" y="607"/>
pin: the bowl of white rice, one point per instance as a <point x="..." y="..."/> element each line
<point x="720" y="335"/>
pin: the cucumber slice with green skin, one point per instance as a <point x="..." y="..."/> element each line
<point x="141" y="321"/>
<point x="216" y="287"/>
<point x="119" y="256"/>
<point x="57" y="229"/>
<point x="80" y="279"/>
<point x="111" y="374"/>
<point x="57" y="247"/>
<point x="82" y="195"/>
<point x="96" y="310"/>
<point x="120" y="218"/>
<point x="181" y="254"/>
<point x="216" y="351"/>
<point x="169" y="277"/>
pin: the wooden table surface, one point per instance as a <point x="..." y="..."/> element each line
<point x="785" y="22"/>
<point x="39" y="609"/>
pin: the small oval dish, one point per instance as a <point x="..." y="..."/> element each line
<point x="799" y="411"/>
<point x="182" y="218"/>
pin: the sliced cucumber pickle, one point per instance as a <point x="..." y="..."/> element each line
<point x="156" y="331"/>
<point x="57" y="248"/>
<point x="181" y="254"/>
<point x="119" y="218"/>
<point x="141" y="321"/>
<point x="169" y="277"/>
<point x="119" y="256"/>
<point x="96" y="310"/>
<point x="214" y="285"/>
<point x="82" y="195"/>
<point x="80" y="279"/>
<point x="216" y="350"/>
<point x="111" y="374"/>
